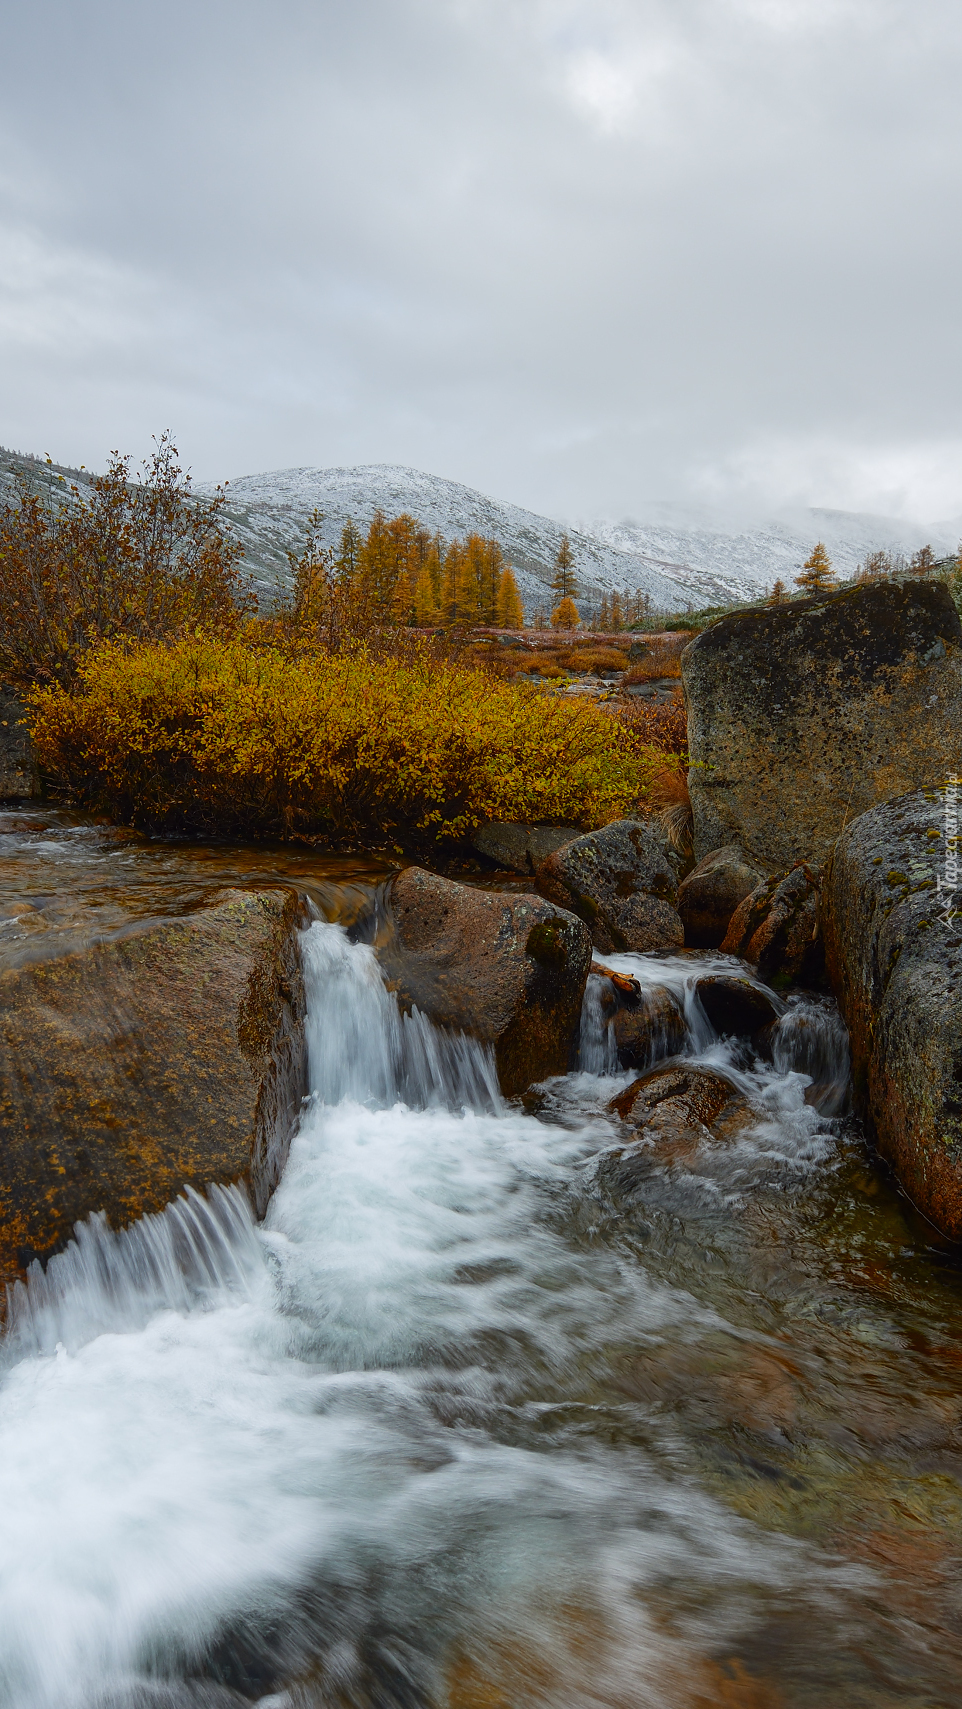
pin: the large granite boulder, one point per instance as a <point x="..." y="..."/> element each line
<point x="521" y="848"/>
<point x="170" y="1057"/>
<point x="893" y="942"/>
<point x="777" y="929"/>
<point x="508" y="970"/>
<point x="709" y="895"/>
<point x="802" y="716"/>
<point x="18" y="777"/>
<point x="622" y="882"/>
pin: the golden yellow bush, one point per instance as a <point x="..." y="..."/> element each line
<point x="215" y="734"/>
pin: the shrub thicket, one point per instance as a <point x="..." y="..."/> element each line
<point x="143" y="559"/>
<point x="223" y="736"/>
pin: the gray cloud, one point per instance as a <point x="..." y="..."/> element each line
<point x="585" y="254"/>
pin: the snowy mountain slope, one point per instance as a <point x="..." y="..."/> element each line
<point x="269" y="513"/>
<point x="682" y="559"/>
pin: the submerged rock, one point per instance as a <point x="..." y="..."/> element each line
<point x="802" y="716"/>
<point x="735" y="1007"/>
<point x="171" y="1057"/>
<point x="509" y="970"/>
<point x="621" y="882"/>
<point x="712" y="891"/>
<point x="673" y="1110"/>
<point x="894" y="955"/>
<point x="776" y="928"/>
<point x="521" y="848"/>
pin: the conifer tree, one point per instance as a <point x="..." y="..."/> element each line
<point x="348" y="560"/>
<point x="817" y="574"/>
<point x="921" y="562"/>
<point x="617" y="617"/>
<point x="565" y="615"/>
<point x="427" y="610"/>
<point x="604" y="615"/>
<point x="564" y="582"/>
<point x="778" y="594"/>
<point x="510" y="608"/>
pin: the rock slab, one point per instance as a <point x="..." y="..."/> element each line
<point x="709" y="895"/>
<point x="170" y="1057"/>
<point x="894" y="955"/>
<point x="777" y="928"/>
<point x="621" y="882"/>
<point x="521" y="848"/>
<point x="803" y="716"/>
<point x="508" y="970"/>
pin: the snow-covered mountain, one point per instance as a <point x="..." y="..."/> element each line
<point x="683" y="560"/>
<point x="681" y="564"/>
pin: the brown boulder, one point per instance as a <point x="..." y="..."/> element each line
<point x="508" y="970"/>
<point x="674" y="1110"/>
<point x="620" y="881"/>
<point x="712" y="891"/>
<point x="776" y="928"/>
<point x="802" y="716"/>
<point x="734" y="1006"/>
<point x="172" y="1056"/>
<point x="893" y="942"/>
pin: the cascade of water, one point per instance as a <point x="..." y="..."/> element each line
<point x="362" y="1048"/>
<point x="369" y="1421"/>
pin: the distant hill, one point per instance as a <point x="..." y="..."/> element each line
<point x="680" y="560"/>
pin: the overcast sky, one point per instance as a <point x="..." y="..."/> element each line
<point x="584" y="254"/>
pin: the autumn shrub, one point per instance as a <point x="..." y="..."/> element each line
<point x="143" y="559"/>
<point x="662" y="725"/>
<point x="662" y="658"/>
<point x="214" y="735"/>
<point x="597" y="659"/>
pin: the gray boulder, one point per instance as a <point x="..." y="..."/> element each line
<point x="777" y="929"/>
<point x="622" y="882"/>
<point x="521" y="848"/>
<point x="805" y="715"/>
<point x="508" y="970"/>
<point x="712" y="891"/>
<point x="893" y="941"/>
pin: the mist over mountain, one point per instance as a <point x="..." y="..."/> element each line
<point x="682" y="559"/>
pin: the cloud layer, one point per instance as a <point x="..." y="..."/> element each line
<point x="585" y="254"/>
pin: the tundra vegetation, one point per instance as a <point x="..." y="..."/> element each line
<point x="361" y="705"/>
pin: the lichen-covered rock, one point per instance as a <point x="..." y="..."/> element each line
<point x="776" y="928"/>
<point x="18" y="778"/>
<point x="621" y="881"/>
<point x="735" y="1007"/>
<point x="894" y="955"/>
<point x="803" y="716"/>
<point x="521" y="848"/>
<point x="709" y="895"/>
<point x="170" y="1057"/>
<point x="509" y="970"/>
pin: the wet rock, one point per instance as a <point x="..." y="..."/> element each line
<point x="18" y="778"/>
<point x="736" y="1008"/>
<point x="803" y="716"/>
<point x="521" y="848"/>
<point x="694" y="1093"/>
<point x="170" y="1057"/>
<point x="894" y="955"/>
<point x="776" y="928"/>
<point x="648" y="1029"/>
<point x="621" y="881"/>
<point x="712" y="891"/>
<point x="673" y="1111"/>
<point x="509" y="970"/>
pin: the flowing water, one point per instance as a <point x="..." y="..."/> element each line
<point x="477" y="1419"/>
